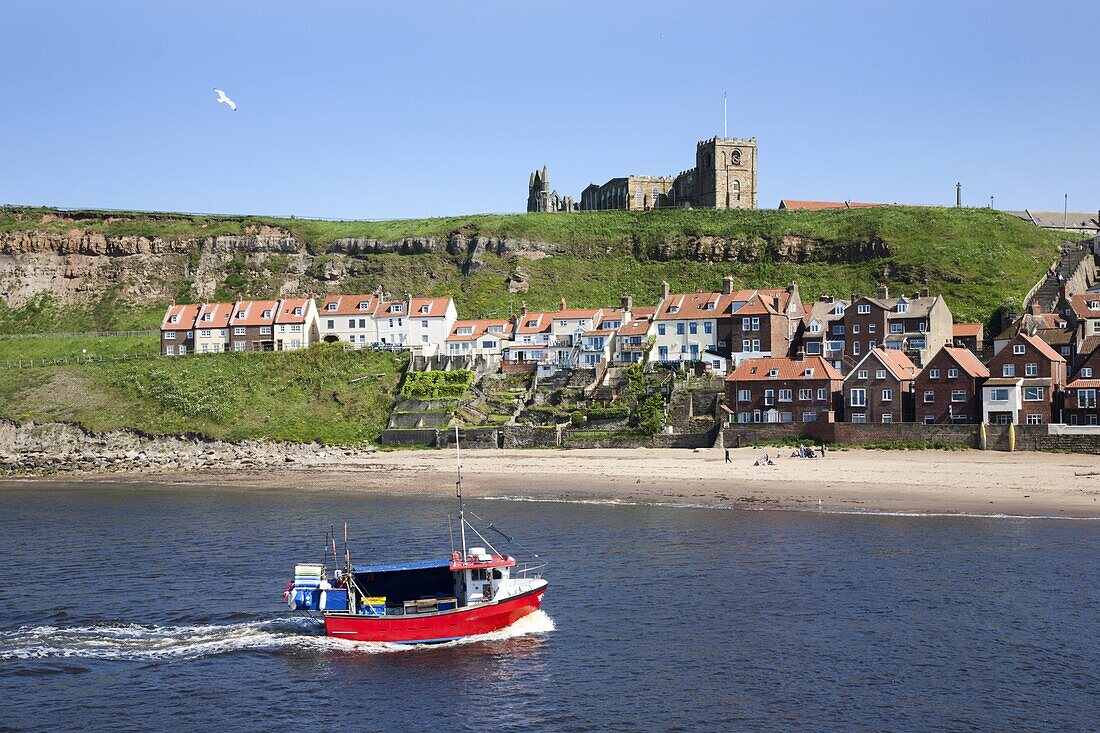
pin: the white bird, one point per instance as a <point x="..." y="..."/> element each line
<point x="227" y="100"/>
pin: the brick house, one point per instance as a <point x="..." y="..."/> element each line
<point x="780" y="389"/>
<point x="1025" y="384"/>
<point x="968" y="336"/>
<point x="1082" y="313"/>
<point x="919" y="325"/>
<point x="758" y="323"/>
<point x="821" y="332"/>
<point x="212" y="327"/>
<point x="177" y="330"/>
<point x="879" y="388"/>
<point x="350" y="319"/>
<point x="252" y="325"/>
<point x="949" y="388"/>
<point x="1080" y="404"/>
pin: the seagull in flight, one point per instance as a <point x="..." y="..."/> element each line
<point x="227" y="100"/>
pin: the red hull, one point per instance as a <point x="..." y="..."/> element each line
<point x="429" y="628"/>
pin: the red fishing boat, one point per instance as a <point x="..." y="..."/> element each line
<point x="477" y="590"/>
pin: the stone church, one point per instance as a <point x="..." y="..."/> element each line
<point x="724" y="177"/>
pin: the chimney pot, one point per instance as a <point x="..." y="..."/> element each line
<point x="1034" y="307"/>
<point x="883" y="291"/>
<point x="562" y="307"/>
<point x="664" y="290"/>
<point x="727" y="285"/>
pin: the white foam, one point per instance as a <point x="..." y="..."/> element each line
<point x="135" y="642"/>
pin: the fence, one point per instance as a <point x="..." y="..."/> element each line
<point x="62" y="361"/>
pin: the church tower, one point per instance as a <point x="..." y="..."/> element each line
<point x="538" y="191"/>
<point x="725" y="173"/>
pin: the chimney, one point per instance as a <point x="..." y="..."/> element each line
<point x="775" y="303"/>
<point x="239" y="298"/>
<point x="825" y="298"/>
<point x="854" y="299"/>
<point x="801" y="355"/>
<point x="883" y="291"/>
<point x="1063" y="291"/>
<point x="627" y="303"/>
<point x="562" y="305"/>
<point x="924" y="293"/>
<point x="523" y="310"/>
<point x="727" y="285"/>
<point x="1033" y="307"/>
<point x="664" y="290"/>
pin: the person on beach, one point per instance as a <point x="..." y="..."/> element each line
<point x="728" y="456"/>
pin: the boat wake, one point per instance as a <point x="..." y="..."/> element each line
<point x="139" y="642"/>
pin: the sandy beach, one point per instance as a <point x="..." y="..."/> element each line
<point x="965" y="482"/>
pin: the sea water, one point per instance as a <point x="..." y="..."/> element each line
<point x="160" y="608"/>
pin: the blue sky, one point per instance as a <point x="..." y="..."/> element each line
<point x="382" y="110"/>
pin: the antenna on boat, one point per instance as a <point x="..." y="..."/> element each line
<point x="458" y="492"/>
<point x="347" y="556"/>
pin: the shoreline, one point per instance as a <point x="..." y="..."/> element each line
<point x="960" y="483"/>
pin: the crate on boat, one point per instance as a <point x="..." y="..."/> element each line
<point x="448" y="604"/>
<point x="334" y="599"/>
<point x="373" y="605"/>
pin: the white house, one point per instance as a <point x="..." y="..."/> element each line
<point x="531" y="338"/>
<point x="349" y="319"/>
<point x="392" y="321"/>
<point x="685" y="326"/>
<point x="296" y="324"/>
<point x="480" y="337"/>
<point x="212" y="328"/>
<point x="429" y="322"/>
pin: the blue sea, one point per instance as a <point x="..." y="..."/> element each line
<point x="156" y="608"/>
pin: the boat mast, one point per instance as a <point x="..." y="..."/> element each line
<point x="458" y="492"/>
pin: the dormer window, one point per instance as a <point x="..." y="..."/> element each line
<point x="532" y="324"/>
<point x="773" y="372"/>
<point x="267" y="314"/>
<point x="297" y="311"/>
<point x="398" y="308"/>
<point x="207" y="316"/>
<point x="362" y="305"/>
<point x="709" y="306"/>
<point x="815" y="327"/>
<point x="808" y="372"/>
<point x="902" y="306"/>
<point x="332" y="306"/>
<point x="425" y="308"/>
<point x="1094" y="305"/>
<point x="495" y="329"/>
<point x="464" y="330"/>
<point x="674" y="309"/>
<point x="752" y="370"/>
<point x="839" y="309"/>
<point x="173" y="319"/>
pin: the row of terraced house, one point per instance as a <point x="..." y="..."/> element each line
<point x="865" y="359"/>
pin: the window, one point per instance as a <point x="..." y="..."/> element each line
<point x="863" y="309"/>
<point x="1085" y="397"/>
<point x="169" y="335"/>
<point x="1034" y="419"/>
<point x="331" y="324"/>
<point x="332" y="306"/>
<point x="1000" y="394"/>
<point x="693" y="328"/>
<point x="808" y="372"/>
<point x="238" y="345"/>
<point x="958" y="395"/>
<point x="902" y="306"/>
<point x="870" y="328"/>
<point x="464" y="330"/>
<point x="1017" y="348"/>
<point x="821" y="395"/>
<point x="838" y="329"/>
<point x="756" y="344"/>
<point x="857" y="397"/>
<point x="929" y="397"/>
<point x="265" y="330"/>
<point x="1034" y="394"/>
<point x="756" y="324"/>
<point x="398" y="308"/>
<point x="929" y="419"/>
<point x="887" y="395"/>
<point x="887" y="417"/>
<point x="1031" y="370"/>
<point x="922" y="326"/>
<point x="933" y="373"/>
<point x="746" y="345"/>
<point x="205" y="333"/>
<point x="880" y="374"/>
<point x="855" y="328"/>
<point x="805" y="395"/>
<point x="296" y="328"/>
<point x="423" y="324"/>
<point x="813" y="347"/>
<point x="746" y="324"/>
<point x="1086" y="372"/>
<point x="239" y="330"/>
<point x="839" y="309"/>
<point x="267" y="314"/>
<point x="809" y="417"/>
<point x="785" y="395"/>
<point x="169" y="350"/>
<point x="680" y="329"/>
<point x="862" y="374"/>
<point x="952" y="373"/>
<point x="351" y="323"/>
<point x="871" y="345"/>
<point x="769" y="396"/>
<point x="423" y="338"/>
<point x="489" y="344"/>
<point x="708" y="327"/>
<point x="297" y="311"/>
<point x="855" y="348"/>
<point x="744" y="395"/>
<point x="773" y="372"/>
<point x="660" y="329"/>
<point x="1008" y="370"/>
<point x="662" y="353"/>
<point x="815" y="327"/>
<point x="896" y="328"/>
<point x="207" y="316"/>
<point x="859" y="417"/>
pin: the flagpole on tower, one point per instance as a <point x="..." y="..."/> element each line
<point x="724" y="134"/>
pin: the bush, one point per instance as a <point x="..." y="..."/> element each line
<point x="438" y="385"/>
<point x="577" y="419"/>
<point x="617" y="412"/>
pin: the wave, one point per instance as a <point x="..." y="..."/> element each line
<point x="806" y="509"/>
<point x="142" y="642"/>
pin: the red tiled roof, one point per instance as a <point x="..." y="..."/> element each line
<point x="386" y="310"/>
<point x="251" y="312"/>
<point x="1042" y="347"/>
<point x="348" y="305"/>
<point x="638" y="325"/>
<point x="966" y="330"/>
<point x="575" y="313"/>
<point x="689" y="305"/>
<point x="900" y="365"/>
<point x="758" y="369"/>
<point x="541" y="323"/>
<point x="187" y="313"/>
<point x="967" y="361"/>
<point x="287" y="307"/>
<point x="1080" y="305"/>
<point x="437" y="307"/>
<point x="479" y="327"/>
<point x="795" y="205"/>
<point x="1087" y="383"/>
<point x="219" y="315"/>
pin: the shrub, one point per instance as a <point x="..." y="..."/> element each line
<point x="577" y="419"/>
<point x="437" y="385"/>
